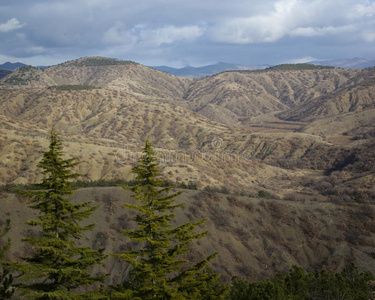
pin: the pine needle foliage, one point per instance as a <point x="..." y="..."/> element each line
<point x="57" y="267"/>
<point x="6" y="277"/>
<point x="159" y="272"/>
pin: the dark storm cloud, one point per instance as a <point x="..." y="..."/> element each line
<point x="186" y="32"/>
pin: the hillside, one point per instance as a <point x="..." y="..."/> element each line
<point x="100" y="72"/>
<point x="255" y="238"/>
<point x="191" y="147"/>
<point x="355" y="95"/>
<point x="239" y="96"/>
<point x="284" y="158"/>
<point x="279" y="130"/>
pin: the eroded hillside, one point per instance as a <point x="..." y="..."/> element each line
<point x="292" y="151"/>
<point x="284" y="131"/>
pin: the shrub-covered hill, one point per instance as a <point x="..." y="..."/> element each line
<point x="255" y="237"/>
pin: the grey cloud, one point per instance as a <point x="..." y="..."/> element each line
<point x="297" y="18"/>
<point x="166" y="30"/>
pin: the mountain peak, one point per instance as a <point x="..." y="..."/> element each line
<point x="11" y="66"/>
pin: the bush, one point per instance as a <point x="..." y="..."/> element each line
<point x="297" y="284"/>
<point x="192" y="185"/>
<point x="264" y="194"/>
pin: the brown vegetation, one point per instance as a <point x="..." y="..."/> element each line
<point x="303" y="137"/>
<point x="255" y="238"/>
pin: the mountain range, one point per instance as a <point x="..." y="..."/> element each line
<point x="199" y="72"/>
<point x="11" y="66"/>
<point x="209" y="70"/>
<point x="258" y="116"/>
<point x="351" y="63"/>
<point x="284" y="158"/>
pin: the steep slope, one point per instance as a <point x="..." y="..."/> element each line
<point x="356" y="95"/>
<point x="355" y="125"/>
<point x="255" y="238"/>
<point x="26" y="77"/>
<point x="100" y="72"/>
<point x="117" y="74"/>
<point x="242" y="95"/>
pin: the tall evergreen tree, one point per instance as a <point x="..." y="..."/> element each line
<point x="158" y="271"/>
<point x="57" y="267"/>
<point x="6" y="278"/>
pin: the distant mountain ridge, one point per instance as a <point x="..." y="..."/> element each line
<point x="350" y="63"/>
<point x="4" y="73"/>
<point x="209" y="70"/>
<point x="11" y="66"/>
<point x="8" y="67"/>
<point x="297" y="92"/>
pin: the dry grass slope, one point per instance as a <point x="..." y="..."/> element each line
<point x="280" y="130"/>
<point x="306" y="138"/>
<point x="255" y="238"/>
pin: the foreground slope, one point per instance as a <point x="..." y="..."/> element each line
<point x="255" y="238"/>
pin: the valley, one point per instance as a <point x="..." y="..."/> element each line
<point x="305" y="137"/>
<point x="247" y="130"/>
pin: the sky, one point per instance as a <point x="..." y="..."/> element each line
<point x="186" y="33"/>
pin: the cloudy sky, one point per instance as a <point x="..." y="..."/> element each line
<point x="190" y="32"/>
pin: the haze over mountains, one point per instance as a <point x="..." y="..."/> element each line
<point x="353" y="63"/>
<point x="297" y="134"/>
<point x="199" y="72"/>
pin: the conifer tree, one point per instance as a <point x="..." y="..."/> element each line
<point x="57" y="267"/>
<point x="158" y="271"/>
<point x="6" y="277"/>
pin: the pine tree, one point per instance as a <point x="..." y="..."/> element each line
<point x="158" y="271"/>
<point x="6" y="278"/>
<point x="57" y="267"/>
